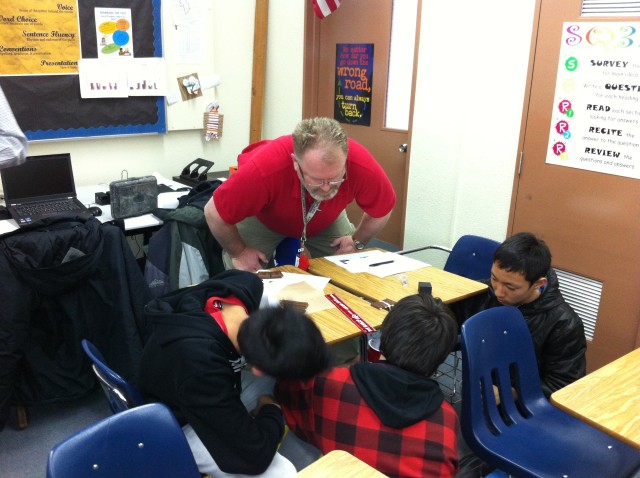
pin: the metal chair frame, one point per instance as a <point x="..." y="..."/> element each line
<point x="121" y="394"/>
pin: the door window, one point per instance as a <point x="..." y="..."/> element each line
<point x="403" y="40"/>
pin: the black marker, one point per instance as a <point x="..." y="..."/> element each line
<point x="380" y="263"/>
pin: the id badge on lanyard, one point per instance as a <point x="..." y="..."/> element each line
<point x="298" y="254"/>
<point x="306" y="217"/>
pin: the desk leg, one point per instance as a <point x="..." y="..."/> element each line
<point x="23" y="416"/>
<point x="364" y="348"/>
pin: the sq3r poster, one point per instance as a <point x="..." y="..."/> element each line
<point x="595" y="123"/>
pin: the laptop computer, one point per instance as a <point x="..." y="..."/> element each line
<point x="42" y="187"/>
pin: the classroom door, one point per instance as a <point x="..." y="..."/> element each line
<point x="360" y="21"/>
<point x="589" y="219"/>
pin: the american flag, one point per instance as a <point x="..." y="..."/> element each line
<point x="324" y="8"/>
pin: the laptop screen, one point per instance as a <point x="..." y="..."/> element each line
<point x="38" y="178"/>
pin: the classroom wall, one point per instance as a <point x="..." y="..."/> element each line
<point x="471" y="80"/>
<point x="285" y="50"/>
<point x="468" y="107"/>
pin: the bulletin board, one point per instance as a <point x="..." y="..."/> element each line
<point x="188" y="38"/>
<point x="50" y="106"/>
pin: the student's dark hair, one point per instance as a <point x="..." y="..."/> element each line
<point x="284" y="343"/>
<point x="524" y="253"/>
<point x="418" y="334"/>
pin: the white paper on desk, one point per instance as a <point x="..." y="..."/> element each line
<point x="357" y="261"/>
<point x="137" y="222"/>
<point x="303" y="292"/>
<point x="272" y="287"/>
<point x="169" y="200"/>
<point x="7" y="226"/>
<point x="364" y="262"/>
<point x="169" y="182"/>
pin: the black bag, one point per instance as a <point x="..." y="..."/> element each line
<point x="133" y="196"/>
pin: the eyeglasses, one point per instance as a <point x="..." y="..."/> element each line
<point x="331" y="183"/>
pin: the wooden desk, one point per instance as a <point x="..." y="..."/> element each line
<point x="608" y="398"/>
<point x="446" y="286"/>
<point x="333" y="324"/>
<point x="339" y="464"/>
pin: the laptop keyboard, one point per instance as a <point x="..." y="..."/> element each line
<point x="51" y="207"/>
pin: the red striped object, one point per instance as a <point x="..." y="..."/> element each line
<point x="324" y="8"/>
<point x="351" y="315"/>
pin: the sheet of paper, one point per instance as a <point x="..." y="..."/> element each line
<point x="357" y="261"/>
<point x="102" y="79"/>
<point x="378" y="263"/>
<point x="8" y="225"/>
<point x="114" y="32"/>
<point x="146" y="77"/>
<point x="303" y="292"/>
<point x="272" y="287"/>
<point x="170" y="200"/>
<point x="396" y="265"/>
<point x="121" y="79"/>
<point x="145" y="220"/>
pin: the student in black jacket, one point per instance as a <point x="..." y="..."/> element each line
<point x="193" y="362"/>
<point x="522" y="276"/>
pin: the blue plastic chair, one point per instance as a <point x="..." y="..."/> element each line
<point x="470" y="257"/>
<point x="121" y="394"/>
<point x="144" y="442"/>
<point x="526" y="436"/>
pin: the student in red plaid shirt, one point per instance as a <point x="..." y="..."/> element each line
<point x="390" y="413"/>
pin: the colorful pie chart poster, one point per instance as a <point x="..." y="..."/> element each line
<point x="113" y="32"/>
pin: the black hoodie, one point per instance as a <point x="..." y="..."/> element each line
<point x="190" y="364"/>
<point x="556" y="330"/>
<point x="400" y="398"/>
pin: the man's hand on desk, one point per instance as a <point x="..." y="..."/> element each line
<point x="250" y="259"/>
<point x="344" y="244"/>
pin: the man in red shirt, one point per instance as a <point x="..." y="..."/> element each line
<point x="390" y="414"/>
<point x="298" y="186"/>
